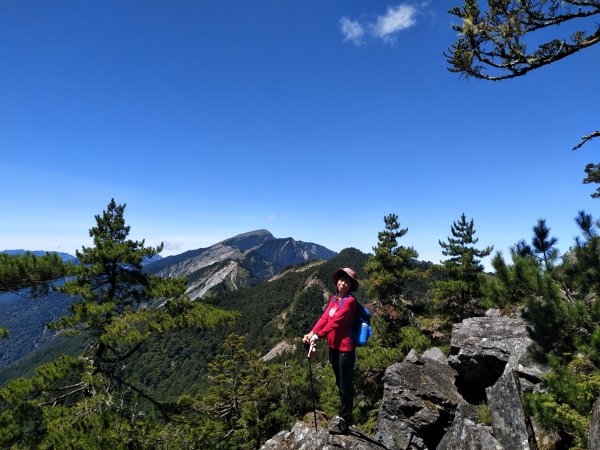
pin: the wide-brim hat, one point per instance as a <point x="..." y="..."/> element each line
<point x="350" y="273"/>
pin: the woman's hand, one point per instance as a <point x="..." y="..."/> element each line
<point x="307" y="337"/>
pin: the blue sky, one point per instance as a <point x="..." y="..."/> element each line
<point x="313" y="119"/>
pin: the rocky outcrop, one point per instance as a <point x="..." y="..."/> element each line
<point x="512" y="427"/>
<point x="281" y="348"/>
<point x="480" y="349"/>
<point x="467" y="433"/>
<point x="472" y="399"/>
<point x="431" y="401"/>
<point x="594" y="438"/>
<point x="418" y="403"/>
<point x="304" y="437"/>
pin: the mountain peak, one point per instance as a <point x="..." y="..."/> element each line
<point x="249" y="240"/>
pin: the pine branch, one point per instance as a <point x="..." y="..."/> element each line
<point x="587" y="138"/>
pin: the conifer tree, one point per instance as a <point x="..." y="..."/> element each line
<point x="30" y="271"/>
<point x="543" y="244"/>
<point x="564" y="320"/>
<point x="503" y="41"/>
<point x="457" y="296"/>
<point x="391" y="266"/>
<point x="389" y="270"/>
<point x="29" y="275"/>
<point x="119" y="307"/>
<point x="242" y="406"/>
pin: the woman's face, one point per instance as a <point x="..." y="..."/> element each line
<point x="343" y="286"/>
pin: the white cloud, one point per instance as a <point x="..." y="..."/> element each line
<point x="385" y="27"/>
<point x="395" y="20"/>
<point x="352" y="30"/>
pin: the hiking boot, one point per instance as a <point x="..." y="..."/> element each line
<point x="338" y="426"/>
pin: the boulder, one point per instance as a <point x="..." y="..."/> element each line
<point x="303" y="436"/>
<point x="467" y="433"/>
<point x="594" y="439"/>
<point x="511" y="425"/>
<point x="436" y="354"/>
<point x="482" y="348"/>
<point x="418" y="403"/>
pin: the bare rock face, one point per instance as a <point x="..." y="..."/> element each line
<point x="512" y="427"/>
<point x="418" y="403"/>
<point x="594" y="439"/>
<point x="304" y="437"/>
<point x="433" y="402"/>
<point x="494" y="358"/>
<point x="481" y="348"/>
<point x="467" y="433"/>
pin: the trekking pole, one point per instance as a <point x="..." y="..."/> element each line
<point x="312" y="348"/>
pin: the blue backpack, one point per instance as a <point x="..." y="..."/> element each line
<point x="361" y="328"/>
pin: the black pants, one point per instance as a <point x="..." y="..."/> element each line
<point x="342" y="364"/>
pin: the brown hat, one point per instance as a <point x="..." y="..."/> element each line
<point x="350" y="273"/>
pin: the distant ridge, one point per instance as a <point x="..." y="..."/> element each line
<point x="241" y="261"/>
<point x="65" y="256"/>
<point x="244" y="260"/>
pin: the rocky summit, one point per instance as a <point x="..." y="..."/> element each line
<point x="432" y="401"/>
<point x="243" y="260"/>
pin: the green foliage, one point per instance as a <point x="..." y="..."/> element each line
<point x="581" y="265"/>
<point x="503" y="41"/>
<point x="26" y="319"/>
<point x="413" y="338"/>
<point x="391" y="270"/>
<point x="84" y="400"/>
<point x="492" y="42"/>
<point x="514" y="284"/>
<point x="244" y="403"/>
<point x="593" y="176"/>
<point x="391" y="266"/>
<point x="29" y="271"/>
<point x="458" y="296"/>
<point x="560" y="302"/>
<point x="483" y="414"/>
<point x="572" y="390"/>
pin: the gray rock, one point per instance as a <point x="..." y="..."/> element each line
<point x="418" y="403"/>
<point x="305" y="437"/>
<point x="465" y="434"/>
<point x="413" y="357"/>
<point x="490" y="336"/>
<point x="493" y="312"/>
<point x="398" y="435"/>
<point x="511" y="426"/>
<point x="436" y="354"/>
<point x="594" y="440"/>
<point x="483" y="348"/>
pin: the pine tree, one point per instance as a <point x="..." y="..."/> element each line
<point x="242" y="407"/>
<point x="503" y="41"/>
<point x="391" y="266"/>
<point x="389" y="270"/>
<point x="543" y="244"/>
<point x="119" y="307"/>
<point x="29" y="275"/>
<point x="456" y="297"/>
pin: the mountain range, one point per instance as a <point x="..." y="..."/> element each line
<point x="244" y="260"/>
<point x="241" y="261"/>
<point x="66" y="257"/>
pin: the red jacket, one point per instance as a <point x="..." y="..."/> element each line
<point x="336" y="323"/>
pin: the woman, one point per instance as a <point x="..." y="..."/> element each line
<point x="336" y="324"/>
